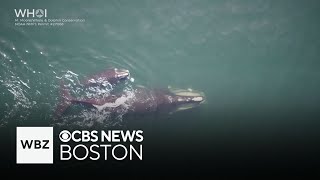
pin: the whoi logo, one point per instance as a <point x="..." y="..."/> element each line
<point x="39" y="18"/>
<point x="26" y="13"/>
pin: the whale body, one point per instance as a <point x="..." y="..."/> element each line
<point x="139" y="100"/>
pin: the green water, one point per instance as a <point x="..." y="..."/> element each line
<point x="256" y="61"/>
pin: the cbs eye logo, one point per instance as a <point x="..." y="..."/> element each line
<point x="65" y="136"/>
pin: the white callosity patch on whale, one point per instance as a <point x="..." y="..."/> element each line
<point x="122" y="73"/>
<point x="198" y="99"/>
<point x="194" y="99"/>
<point x="185" y="107"/>
<point x="185" y="92"/>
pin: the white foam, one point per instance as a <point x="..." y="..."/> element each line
<point x="120" y="101"/>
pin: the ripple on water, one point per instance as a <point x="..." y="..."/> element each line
<point x="21" y="83"/>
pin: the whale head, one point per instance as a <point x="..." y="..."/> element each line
<point x="121" y="74"/>
<point x="183" y="99"/>
<point x="112" y="76"/>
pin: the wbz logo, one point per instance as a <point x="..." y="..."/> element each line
<point x="34" y="145"/>
<point x="39" y="13"/>
<point x="27" y="144"/>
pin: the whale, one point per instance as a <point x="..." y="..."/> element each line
<point x="140" y="100"/>
<point x="112" y="75"/>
